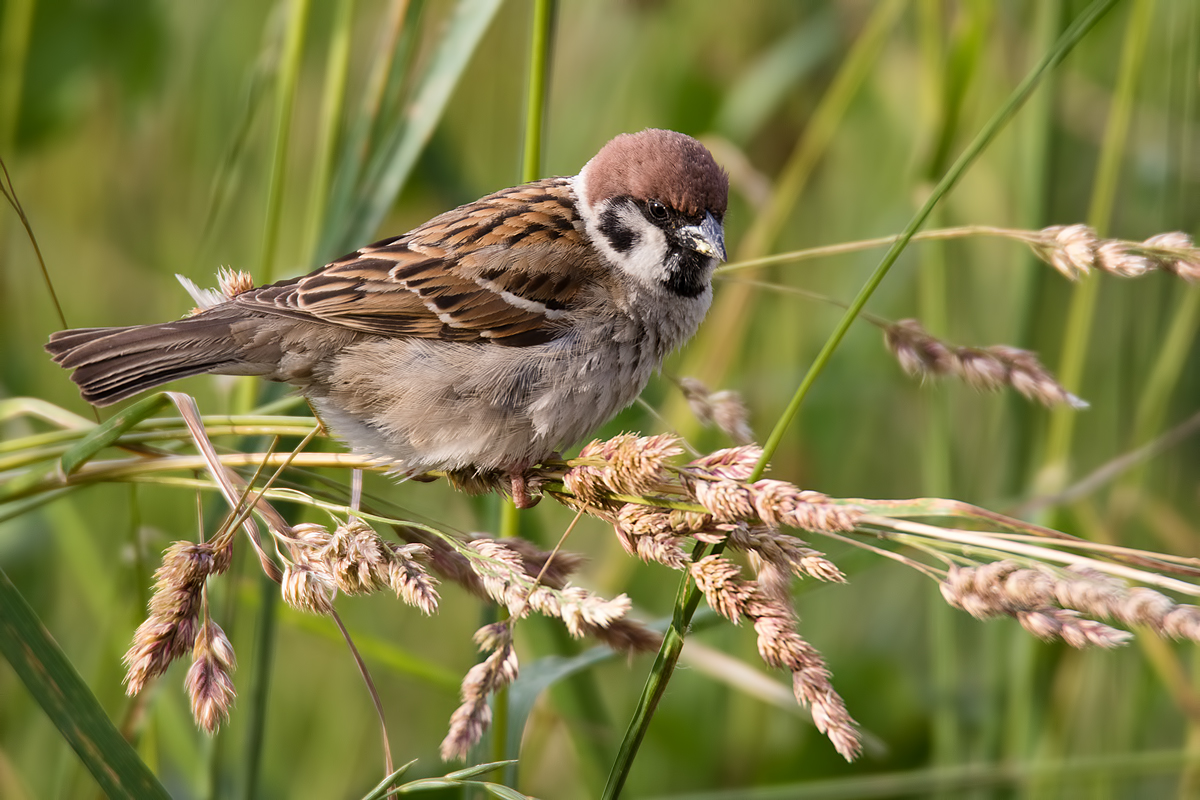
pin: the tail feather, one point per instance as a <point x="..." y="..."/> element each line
<point x="112" y="364"/>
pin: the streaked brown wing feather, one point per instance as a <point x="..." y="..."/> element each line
<point x="504" y="268"/>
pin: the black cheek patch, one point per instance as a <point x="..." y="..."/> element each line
<point x="618" y="234"/>
<point x="686" y="274"/>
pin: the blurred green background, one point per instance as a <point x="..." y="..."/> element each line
<point x="140" y="137"/>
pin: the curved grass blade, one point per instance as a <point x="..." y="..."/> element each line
<point x="357" y="141"/>
<point x="394" y="160"/>
<point x="107" y="433"/>
<point x="458" y="779"/>
<point x="68" y="702"/>
<point x="382" y="788"/>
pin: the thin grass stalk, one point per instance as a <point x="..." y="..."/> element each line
<point x="10" y="194"/>
<point x="1029" y="235"/>
<point x="536" y="96"/>
<point x="1055" y="467"/>
<point x="1018" y="693"/>
<point x="687" y="600"/>
<point x="1083" y="23"/>
<point x="947" y="76"/>
<point x="540" y="48"/>
<point x="285" y="88"/>
<point x="337" y="67"/>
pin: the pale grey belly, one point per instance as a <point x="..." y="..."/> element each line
<point x="422" y="405"/>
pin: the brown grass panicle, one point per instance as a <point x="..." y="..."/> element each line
<point x="209" y="680"/>
<point x="354" y="560"/>
<point x="779" y="644"/>
<point x="923" y="355"/>
<point x="711" y="501"/>
<point x="498" y="670"/>
<point x="1058" y="604"/>
<point x="724" y="409"/>
<point x="175" y="608"/>
<point x="1075" y="250"/>
<point x="732" y="512"/>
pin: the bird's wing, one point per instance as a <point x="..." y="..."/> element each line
<point x="506" y="268"/>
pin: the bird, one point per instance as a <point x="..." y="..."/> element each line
<point x="477" y="344"/>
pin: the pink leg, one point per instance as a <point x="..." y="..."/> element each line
<point x="520" y="490"/>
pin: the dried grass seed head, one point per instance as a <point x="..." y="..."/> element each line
<point x="731" y="463"/>
<point x="169" y="630"/>
<point x="308" y="587"/>
<point x="988" y="369"/>
<point x="1075" y="250"/>
<point x="409" y="578"/>
<point x="209" y="680"/>
<point x="720" y="580"/>
<point x="1176" y="254"/>
<point x="473" y="716"/>
<point x="725" y="409"/>
<point x="357" y="558"/>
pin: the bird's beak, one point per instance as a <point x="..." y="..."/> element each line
<point x="707" y="238"/>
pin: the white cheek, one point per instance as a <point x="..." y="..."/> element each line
<point x="647" y="261"/>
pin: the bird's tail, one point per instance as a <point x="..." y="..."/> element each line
<point x="114" y="363"/>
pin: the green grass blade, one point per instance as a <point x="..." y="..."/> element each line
<point x="535" y="98"/>
<point x="396" y="157"/>
<point x="70" y="705"/>
<point x="285" y="98"/>
<point x="381" y="101"/>
<point x="336" y="70"/>
<point x="384" y="787"/>
<point x="110" y="431"/>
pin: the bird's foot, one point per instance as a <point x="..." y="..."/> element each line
<point x="521" y="496"/>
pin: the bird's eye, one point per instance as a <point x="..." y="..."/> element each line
<point x="657" y="210"/>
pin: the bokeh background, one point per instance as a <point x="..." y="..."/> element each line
<point x="142" y="139"/>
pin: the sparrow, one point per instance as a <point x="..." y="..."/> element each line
<point x="479" y="343"/>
